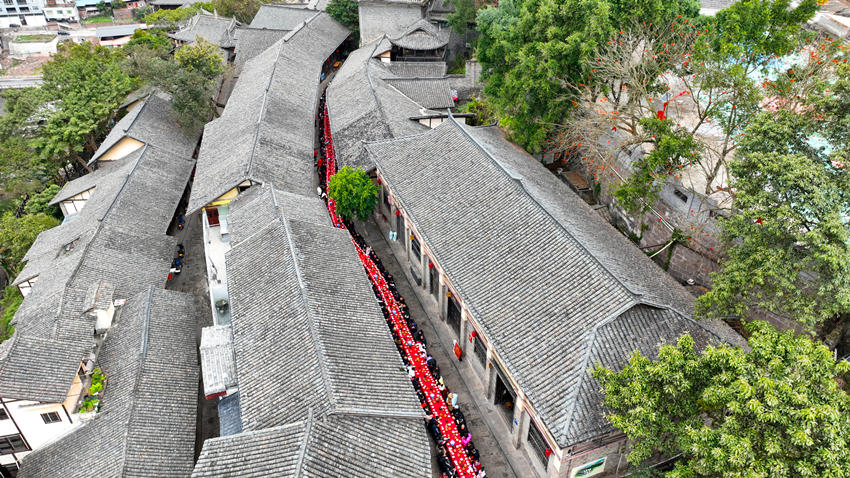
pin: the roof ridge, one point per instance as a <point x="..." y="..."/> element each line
<point x="88" y="245"/>
<point x="305" y="442"/>
<point x="521" y="184"/>
<point x="314" y="334"/>
<point x="263" y="108"/>
<point x="138" y="378"/>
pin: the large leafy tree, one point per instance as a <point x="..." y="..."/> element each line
<point x="776" y="410"/>
<point x="242" y="10"/>
<point x="190" y="77"/>
<point x="347" y="13"/>
<point x="532" y="50"/>
<point x="788" y="241"/>
<point x="354" y="193"/>
<point x="17" y="235"/>
<point x="84" y="86"/>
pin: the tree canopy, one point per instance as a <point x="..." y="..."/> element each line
<point x="347" y="13"/>
<point x="532" y="50"/>
<point x="354" y="192"/>
<point x="776" y="410"/>
<point x="83" y="86"/>
<point x="17" y="235"/>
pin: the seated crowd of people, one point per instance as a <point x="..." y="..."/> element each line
<point x="432" y="423"/>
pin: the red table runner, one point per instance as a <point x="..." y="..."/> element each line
<point x="435" y="401"/>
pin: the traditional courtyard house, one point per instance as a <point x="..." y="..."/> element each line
<point x="379" y="17"/>
<point x="321" y="389"/>
<point x="220" y="31"/>
<point x="265" y="135"/>
<point x="536" y="286"/>
<point x="146" y="423"/>
<point x="75" y="278"/>
<point x="374" y="98"/>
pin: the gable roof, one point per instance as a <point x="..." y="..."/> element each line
<point x="265" y="133"/>
<point x="432" y="93"/>
<point x="118" y="237"/>
<point x="151" y="123"/>
<point x="339" y="445"/>
<point x="504" y="208"/>
<point x="212" y="28"/>
<point x="363" y="106"/>
<point x="416" y="69"/>
<point x="282" y="16"/>
<point x="421" y="35"/>
<point x="300" y="305"/>
<point x="147" y="419"/>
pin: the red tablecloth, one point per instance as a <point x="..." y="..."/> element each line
<point x="435" y="400"/>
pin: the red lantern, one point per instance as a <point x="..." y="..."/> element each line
<point x="547" y="452"/>
<point x="397" y="213"/>
<point x="379" y="180"/>
<point x="430" y="266"/>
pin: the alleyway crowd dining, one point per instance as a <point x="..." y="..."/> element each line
<point x="457" y="455"/>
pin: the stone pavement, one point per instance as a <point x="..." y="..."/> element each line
<point x="489" y="429"/>
<point x="193" y="280"/>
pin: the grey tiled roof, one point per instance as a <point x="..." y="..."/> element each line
<point x="217" y="364"/>
<point x="251" y="42"/>
<point x="229" y="415"/>
<point x="119" y="237"/>
<point x="338" y="446"/>
<point x="281" y="16"/>
<point x="147" y="419"/>
<point x="300" y="305"/>
<point x="364" y="107"/>
<point x="266" y="132"/>
<point x="152" y="123"/>
<point x="417" y="69"/>
<point x="117" y="30"/>
<point x="716" y="5"/>
<point x="212" y="28"/>
<point x="433" y="93"/>
<point x="555" y="271"/>
<point x="421" y="35"/>
<point x="641" y="328"/>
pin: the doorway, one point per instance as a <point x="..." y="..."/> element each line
<point x="505" y="398"/>
<point x="435" y="281"/>
<point x="399" y="224"/>
<point x="212" y="216"/>
<point x="453" y="315"/>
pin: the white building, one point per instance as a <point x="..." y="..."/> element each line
<point x="22" y="13"/>
<point x="61" y="10"/>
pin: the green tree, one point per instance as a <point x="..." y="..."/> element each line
<point x="103" y="7"/>
<point x="191" y="92"/>
<point x="533" y="50"/>
<point x="17" y="235"/>
<point x="202" y="57"/>
<point x="153" y="38"/>
<point x="84" y="86"/>
<point x="171" y="19"/>
<point x="9" y="304"/>
<point x="22" y="171"/>
<point x="776" y="410"/>
<point x="354" y="193"/>
<point x="347" y="13"/>
<point x="463" y="16"/>
<point x="40" y="203"/>
<point x="242" y="10"/>
<point x="788" y="241"/>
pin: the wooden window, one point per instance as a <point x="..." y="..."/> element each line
<point x="51" y="417"/>
<point x="538" y="443"/>
<point x="11" y="444"/>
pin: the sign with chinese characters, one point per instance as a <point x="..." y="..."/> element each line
<point x="589" y="469"/>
